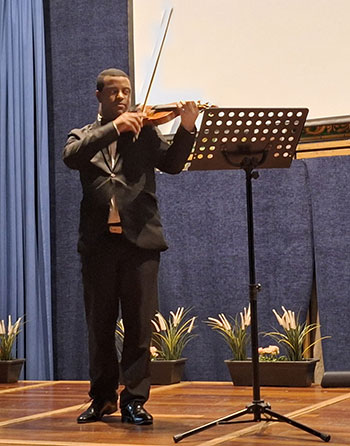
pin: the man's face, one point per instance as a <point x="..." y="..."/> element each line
<point x="115" y="97"/>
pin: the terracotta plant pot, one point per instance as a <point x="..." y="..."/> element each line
<point x="274" y="373"/>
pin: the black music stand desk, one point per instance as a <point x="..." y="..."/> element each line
<point x="248" y="139"/>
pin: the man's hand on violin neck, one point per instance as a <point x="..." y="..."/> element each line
<point x="129" y="122"/>
<point x="189" y="113"/>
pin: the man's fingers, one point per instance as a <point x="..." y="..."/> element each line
<point x="187" y="106"/>
<point x="130" y="122"/>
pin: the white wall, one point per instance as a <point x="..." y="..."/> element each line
<point x="247" y="53"/>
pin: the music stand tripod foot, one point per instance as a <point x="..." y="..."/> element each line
<point x="257" y="409"/>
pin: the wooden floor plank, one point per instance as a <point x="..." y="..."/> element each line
<point x="44" y="414"/>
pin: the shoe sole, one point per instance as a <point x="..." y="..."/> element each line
<point x="126" y="419"/>
<point x="88" y="421"/>
<point x="93" y="420"/>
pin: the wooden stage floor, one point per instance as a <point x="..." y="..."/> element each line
<point x="43" y="413"/>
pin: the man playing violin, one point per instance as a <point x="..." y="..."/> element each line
<point x="120" y="239"/>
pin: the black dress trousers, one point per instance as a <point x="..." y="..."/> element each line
<point x="118" y="273"/>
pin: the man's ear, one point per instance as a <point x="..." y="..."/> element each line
<point x="98" y="95"/>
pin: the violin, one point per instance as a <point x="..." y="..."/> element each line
<point x="161" y="114"/>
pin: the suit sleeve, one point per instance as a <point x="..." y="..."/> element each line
<point x="83" y="144"/>
<point x="172" y="158"/>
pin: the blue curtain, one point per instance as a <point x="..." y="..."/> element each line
<point x="24" y="183"/>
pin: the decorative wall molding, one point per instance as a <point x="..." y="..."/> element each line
<point x="325" y="137"/>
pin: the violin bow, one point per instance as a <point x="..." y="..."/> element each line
<point x="157" y="60"/>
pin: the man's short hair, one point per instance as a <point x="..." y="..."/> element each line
<point x="109" y="72"/>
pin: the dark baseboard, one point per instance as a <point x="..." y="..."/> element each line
<point x="336" y="379"/>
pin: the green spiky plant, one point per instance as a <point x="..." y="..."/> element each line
<point x="8" y="337"/>
<point x="294" y="335"/>
<point x="234" y="332"/>
<point x="171" y="336"/>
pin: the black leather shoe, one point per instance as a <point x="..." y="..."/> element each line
<point x="96" y="411"/>
<point x="135" y="413"/>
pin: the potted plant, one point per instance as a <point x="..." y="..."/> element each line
<point x="290" y="369"/>
<point x="294" y="368"/>
<point x="10" y="368"/>
<point x="234" y="331"/>
<point x="169" y="339"/>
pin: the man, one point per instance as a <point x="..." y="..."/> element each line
<point x="120" y="238"/>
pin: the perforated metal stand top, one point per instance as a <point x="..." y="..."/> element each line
<point x="228" y="135"/>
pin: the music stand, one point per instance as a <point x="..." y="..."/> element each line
<point x="242" y="138"/>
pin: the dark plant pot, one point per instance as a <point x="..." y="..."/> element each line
<point x="167" y="371"/>
<point x="274" y="373"/>
<point x="10" y="370"/>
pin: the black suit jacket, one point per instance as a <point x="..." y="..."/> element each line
<point x="131" y="181"/>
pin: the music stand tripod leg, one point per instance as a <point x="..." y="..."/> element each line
<point x="222" y="420"/>
<point x="282" y="418"/>
<point x="258" y="406"/>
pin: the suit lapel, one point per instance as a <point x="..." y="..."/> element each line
<point x="101" y="160"/>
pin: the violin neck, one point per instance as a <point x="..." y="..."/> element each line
<point x="172" y="107"/>
<point x="165" y="107"/>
